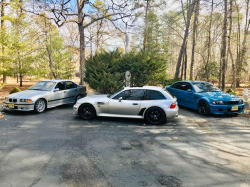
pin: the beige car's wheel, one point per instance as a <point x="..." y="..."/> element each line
<point x="40" y="106"/>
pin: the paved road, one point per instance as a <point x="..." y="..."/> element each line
<point x="57" y="148"/>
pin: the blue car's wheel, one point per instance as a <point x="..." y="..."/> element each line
<point x="203" y="108"/>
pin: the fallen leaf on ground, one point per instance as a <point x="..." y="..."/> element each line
<point x="174" y="138"/>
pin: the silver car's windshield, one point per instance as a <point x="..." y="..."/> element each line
<point x="205" y="87"/>
<point x="43" y="86"/>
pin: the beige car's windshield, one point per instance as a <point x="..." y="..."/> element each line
<point x="43" y="86"/>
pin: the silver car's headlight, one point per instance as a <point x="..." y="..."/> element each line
<point x="218" y="102"/>
<point x="6" y="99"/>
<point x="241" y="101"/>
<point x="26" y="100"/>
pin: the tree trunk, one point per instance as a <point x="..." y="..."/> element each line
<point x="146" y="26"/>
<point x="50" y="62"/>
<point x="194" y="38"/>
<point x="209" y="43"/>
<point x="224" y="46"/>
<point x="21" y="80"/>
<point x="229" y="43"/>
<point x="178" y="65"/>
<point x="185" y="62"/>
<point x="82" y="53"/>
<point x="3" y="32"/>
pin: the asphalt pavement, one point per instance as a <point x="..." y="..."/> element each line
<point x="57" y="148"/>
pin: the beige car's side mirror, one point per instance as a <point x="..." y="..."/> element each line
<point x="120" y="98"/>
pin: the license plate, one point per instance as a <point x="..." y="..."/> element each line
<point x="234" y="108"/>
<point x="11" y="105"/>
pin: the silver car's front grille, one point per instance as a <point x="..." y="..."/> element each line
<point x="12" y="100"/>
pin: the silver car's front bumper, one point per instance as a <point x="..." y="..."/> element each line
<point x="75" y="108"/>
<point x="19" y="107"/>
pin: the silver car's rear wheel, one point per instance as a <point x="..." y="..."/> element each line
<point x="40" y="106"/>
<point x="155" y="116"/>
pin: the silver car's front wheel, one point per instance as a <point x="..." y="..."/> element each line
<point x="40" y="106"/>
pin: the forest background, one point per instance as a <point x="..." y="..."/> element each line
<point x="162" y="40"/>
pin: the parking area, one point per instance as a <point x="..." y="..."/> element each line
<point x="57" y="148"/>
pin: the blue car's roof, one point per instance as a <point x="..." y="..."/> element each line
<point x="192" y="81"/>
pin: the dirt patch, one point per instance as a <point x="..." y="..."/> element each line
<point x="169" y="181"/>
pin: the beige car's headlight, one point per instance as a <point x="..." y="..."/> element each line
<point x="26" y="100"/>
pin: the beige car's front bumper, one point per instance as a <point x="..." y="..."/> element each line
<point x="19" y="107"/>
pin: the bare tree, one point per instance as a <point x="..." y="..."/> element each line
<point x="194" y="38"/>
<point x="224" y="47"/>
<point x="178" y="65"/>
<point x="84" y="15"/>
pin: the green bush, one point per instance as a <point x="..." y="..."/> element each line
<point x="16" y="89"/>
<point x="231" y="91"/>
<point x="105" y="70"/>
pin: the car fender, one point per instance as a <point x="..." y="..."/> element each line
<point x="203" y="98"/>
<point x="146" y="108"/>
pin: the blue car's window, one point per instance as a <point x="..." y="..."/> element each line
<point x="205" y="87"/>
<point x="176" y="86"/>
<point x="185" y="86"/>
<point x="43" y="86"/>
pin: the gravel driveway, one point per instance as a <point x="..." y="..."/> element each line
<point x="56" y="148"/>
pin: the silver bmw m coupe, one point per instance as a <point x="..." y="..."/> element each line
<point x="45" y="94"/>
<point x="154" y="104"/>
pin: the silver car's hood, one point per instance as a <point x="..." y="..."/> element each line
<point x="27" y="94"/>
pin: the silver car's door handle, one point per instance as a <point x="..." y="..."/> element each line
<point x="64" y="91"/>
<point x="135" y="103"/>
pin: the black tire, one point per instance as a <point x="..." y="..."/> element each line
<point x="203" y="108"/>
<point x="40" y="106"/>
<point x="87" y="111"/>
<point x="79" y="96"/>
<point x="155" y="116"/>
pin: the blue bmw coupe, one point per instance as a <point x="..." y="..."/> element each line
<point x="205" y="97"/>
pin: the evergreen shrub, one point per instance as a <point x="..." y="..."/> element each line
<point x="105" y="70"/>
<point x="16" y="89"/>
<point x="231" y="91"/>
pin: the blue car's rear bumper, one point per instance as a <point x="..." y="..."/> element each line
<point x="226" y="109"/>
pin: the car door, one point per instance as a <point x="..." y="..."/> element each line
<point x="71" y="92"/>
<point x="186" y="92"/>
<point x="58" y="95"/>
<point x="129" y="104"/>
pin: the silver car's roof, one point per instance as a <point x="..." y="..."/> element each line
<point x="145" y="87"/>
<point x="56" y="80"/>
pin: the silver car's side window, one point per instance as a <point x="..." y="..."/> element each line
<point x="134" y="94"/>
<point x="153" y="95"/>
<point x="119" y="95"/>
<point x="70" y="85"/>
<point x="60" y="85"/>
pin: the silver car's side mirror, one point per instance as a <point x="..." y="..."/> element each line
<point x="56" y="89"/>
<point x="120" y="98"/>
